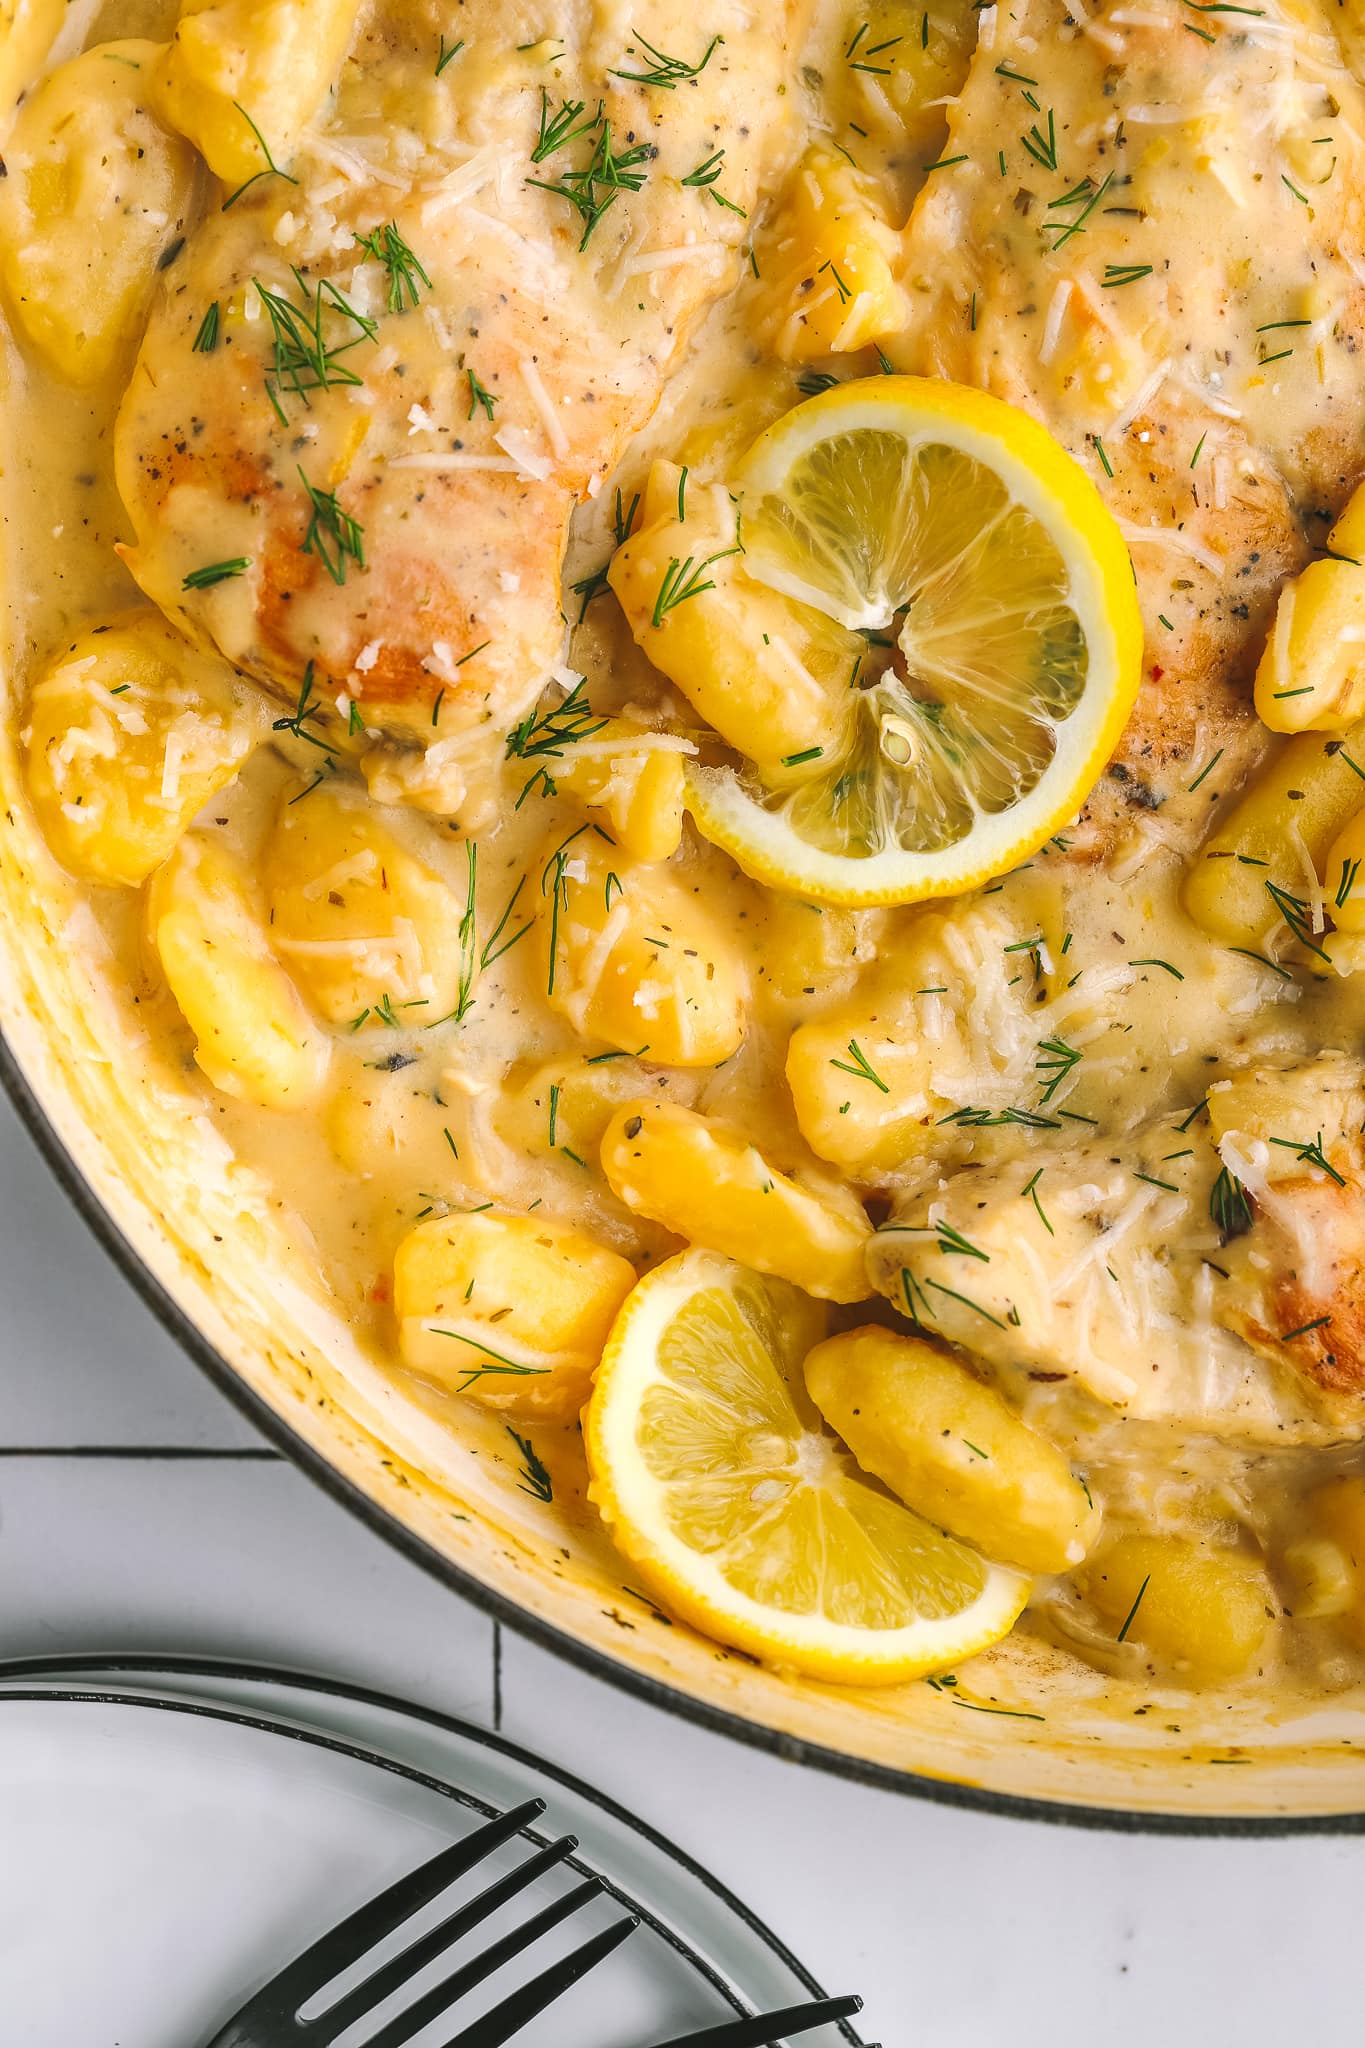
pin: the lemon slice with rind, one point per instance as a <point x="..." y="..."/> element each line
<point x="1003" y="642"/>
<point x="744" y="1516"/>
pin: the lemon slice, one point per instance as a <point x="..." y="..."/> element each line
<point x="1003" y="641"/>
<point x="712" y="1470"/>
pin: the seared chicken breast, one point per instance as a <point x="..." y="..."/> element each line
<point x="1215" y="1286"/>
<point x="1148" y="229"/>
<point x="430" y="336"/>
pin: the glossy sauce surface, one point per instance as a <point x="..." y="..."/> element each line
<point x="1189" y="160"/>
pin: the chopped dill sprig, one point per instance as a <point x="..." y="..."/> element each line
<point x="272" y="169"/>
<point x="597" y="186"/>
<point x="1056" y="1059"/>
<point x="1031" y="1190"/>
<point x="913" y="1294"/>
<point x="307" y="711"/>
<point x="1009" y="1713"/>
<point x="1261" y="961"/>
<point x="1174" y="972"/>
<point x="206" y="340"/>
<point x="494" y="945"/>
<point x="308" y="345"/>
<point x="1043" y="148"/>
<point x="685" y="579"/>
<point x="661" y="69"/>
<point x="987" y="1119"/>
<point x="952" y="1240"/>
<point x="966" y="1301"/>
<point x="857" y="56"/>
<point x="1311" y="1154"/>
<point x="1088" y="191"/>
<point x="1207" y="769"/>
<point x="1230" y="1206"/>
<point x="468" y="937"/>
<point x="1295" y="912"/>
<point x="558" y="130"/>
<point x="705" y="176"/>
<point x="593" y="585"/>
<point x="550" y="733"/>
<point x="333" y="535"/>
<point x="445" y="55"/>
<point x="402" y="267"/>
<point x="479" y="395"/>
<point x="501" y="1365"/>
<point x="1349" y="870"/>
<point x="1132" y="1611"/>
<point x="554" y="883"/>
<point x="216" y="572"/>
<point x="535" y="1480"/>
<point x="859" y="1065"/>
<point x="1124" y="273"/>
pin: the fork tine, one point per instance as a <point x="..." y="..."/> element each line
<point x="443" y="1995"/>
<point x="521" y="2007"/>
<point x="763" y="2030"/>
<point x="402" y="1968"/>
<point x="342" y="1945"/>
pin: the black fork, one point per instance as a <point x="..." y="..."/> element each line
<point x="272" y="2016"/>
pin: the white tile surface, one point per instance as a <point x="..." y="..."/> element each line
<point x="954" y="1926"/>
<point x="81" y="1360"/>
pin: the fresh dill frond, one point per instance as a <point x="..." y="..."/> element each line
<point x="859" y="1065"/>
<point x="402" y="267"/>
<point x="272" y="169"/>
<point x="306" y="712"/>
<point x="333" y="535"/>
<point x="206" y="340"/>
<point x="661" y="69"/>
<point x="1230" y="1206"/>
<point x="535" y="1480"/>
<point x="312" y="336"/>
<point x="216" y="572"/>
<point x="479" y="395"/>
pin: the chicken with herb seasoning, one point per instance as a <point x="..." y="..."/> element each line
<point x="383" y="371"/>
<point x="1149" y="230"/>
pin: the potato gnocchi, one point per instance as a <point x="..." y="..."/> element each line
<point x="391" y="592"/>
<point x="98" y="196"/>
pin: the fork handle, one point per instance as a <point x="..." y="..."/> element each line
<point x="766" y="2030"/>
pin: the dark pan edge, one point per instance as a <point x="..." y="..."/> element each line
<point x="792" y="1749"/>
